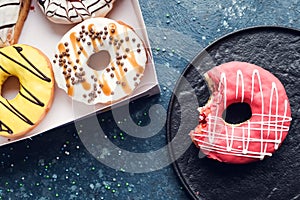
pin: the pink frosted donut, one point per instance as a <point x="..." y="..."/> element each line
<point x="250" y="140"/>
<point x="74" y="11"/>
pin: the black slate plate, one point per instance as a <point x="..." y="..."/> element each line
<point x="276" y="49"/>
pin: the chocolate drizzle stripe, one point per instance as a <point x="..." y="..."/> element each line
<point x="4" y="70"/>
<point x="107" y="4"/>
<point x="52" y="13"/>
<point x="44" y="77"/>
<point x="9" y="4"/>
<point x="16" y="112"/>
<point x="42" y="4"/>
<point x="33" y="99"/>
<point x="5" y="128"/>
<point x="96" y="2"/>
<point x="7" y="26"/>
<point x="37" y="72"/>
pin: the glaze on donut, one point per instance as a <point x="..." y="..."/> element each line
<point x="262" y="134"/>
<point x="128" y="59"/>
<point x="12" y="17"/>
<point x="74" y="11"/>
<point x="33" y="69"/>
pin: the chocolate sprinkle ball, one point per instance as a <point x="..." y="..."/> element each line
<point x="100" y="84"/>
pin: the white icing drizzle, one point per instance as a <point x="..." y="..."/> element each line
<point x="74" y="11"/>
<point x="275" y="122"/>
<point x="240" y="75"/>
<point x="9" y="13"/>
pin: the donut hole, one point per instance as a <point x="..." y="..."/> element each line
<point x="237" y="113"/>
<point x="99" y="60"/>
<point x="10" y="88"/>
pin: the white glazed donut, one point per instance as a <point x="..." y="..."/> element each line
<point x="74" y="11"/>
<point x="128" y="58"/>
<point x="13" y="14"/>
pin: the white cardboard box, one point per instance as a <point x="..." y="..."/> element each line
<point x="44" y="35"/>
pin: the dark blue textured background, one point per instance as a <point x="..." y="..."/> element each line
<point x="56" y="165"/>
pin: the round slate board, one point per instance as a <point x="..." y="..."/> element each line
<point x="276" y="49"/>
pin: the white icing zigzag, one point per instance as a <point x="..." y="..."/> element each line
<point x="270" y="123"/>
<point x="9" y="13"/>
<point x="74" y="11"/>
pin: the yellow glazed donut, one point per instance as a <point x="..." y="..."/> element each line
<point x="128" y="58"/>
<point x="27" y="109"/>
